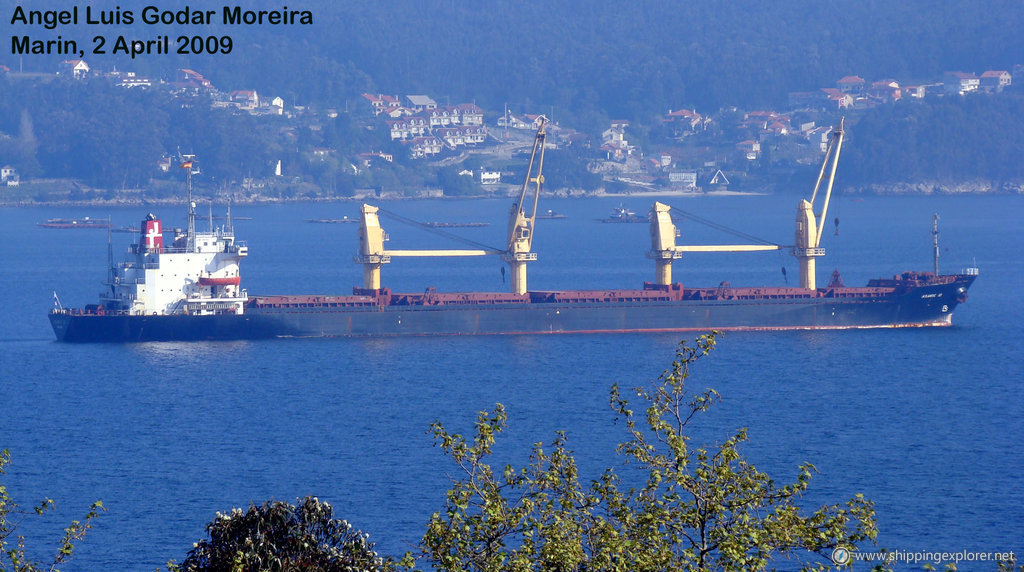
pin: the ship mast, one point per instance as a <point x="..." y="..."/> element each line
<point x="191" y="232"/>
<point x="111" y="270"/>
<point x="935" y="241"/>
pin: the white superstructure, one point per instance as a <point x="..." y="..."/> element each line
<point x="198" y="274"/>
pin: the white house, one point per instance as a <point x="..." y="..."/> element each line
<point x="684" y="179"/>
<point x="424" y="146"/>
<point x="245" y="99"/>
<point x="819" y="137"/>
<point x="995" y="80"/>
<point x="75" y="68"/>
<point x="420" y="103"/>
<point x="9" y="176"/>
<point x="277" y="105"/>
<point x="382" y="102"/>
<point x="470" y="114"/>
<point x="960" y="82"/>
<point x="750" y="148"/>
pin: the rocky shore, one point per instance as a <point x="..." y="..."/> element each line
<point x="978" y="187"/>
<point x="55" y="197"/>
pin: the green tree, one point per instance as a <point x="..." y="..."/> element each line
<point x="12" y="545"/>
<point x="695" y="509"/>
<point x="567" y="169"/>
<point x="455" y="184"/>
<point x="282" y="537"/>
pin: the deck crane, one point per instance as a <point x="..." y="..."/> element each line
<point x="664" y="250"/>
<point x="372" y="254"/>
<point x="808" y="228"/>
<point x="520" y="226"/>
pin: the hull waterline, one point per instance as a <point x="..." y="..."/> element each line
<point x="536" y="313"/>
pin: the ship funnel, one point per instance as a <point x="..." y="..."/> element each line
<point x="151" y="238"/>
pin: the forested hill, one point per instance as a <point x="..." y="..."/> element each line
<point x="583" y="61"/>
<point x="959" y="143"/>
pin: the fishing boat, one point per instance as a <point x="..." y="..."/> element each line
<point x="621" y="214"/>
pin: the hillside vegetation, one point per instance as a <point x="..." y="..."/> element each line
<point x="582" y="67"/>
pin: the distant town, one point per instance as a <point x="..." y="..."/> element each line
<point x="424" y="130"/>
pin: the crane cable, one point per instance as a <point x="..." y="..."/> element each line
<point x="722" y="228"/>
<point x="438" y="231"/>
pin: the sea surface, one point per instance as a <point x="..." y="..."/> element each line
<point x="926" y="422"/>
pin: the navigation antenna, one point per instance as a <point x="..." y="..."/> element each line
<point x="111" y="270"/>
<point x="191" y="233"/>
<point x="227" y="222"/>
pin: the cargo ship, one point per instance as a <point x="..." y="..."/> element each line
<point x="189" y="288"/>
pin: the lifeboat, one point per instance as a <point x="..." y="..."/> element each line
<point x="227" y="281"/>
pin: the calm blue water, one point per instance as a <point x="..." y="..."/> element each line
<point x="926" y="422"/>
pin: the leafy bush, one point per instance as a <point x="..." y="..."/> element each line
<point x="282" y="537"/>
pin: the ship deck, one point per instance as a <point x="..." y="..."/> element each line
<point x="651" y="293"/>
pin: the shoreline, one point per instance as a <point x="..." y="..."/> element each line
<point x="895" y="189"/>
<point x="386" y="197"/>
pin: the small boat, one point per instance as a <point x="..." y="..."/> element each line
<point x="550" y="214"/>
<point x="75" y="223"/>
<point x="622" y="214"/>
<point x="455" y="224"/>
<point x="342" y="220"/>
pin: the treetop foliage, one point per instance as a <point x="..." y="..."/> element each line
<point x="680" y="507"/>
<point x="695" y="509"/>
<point x="282" y="537"/>
<point x="13" y="554"/>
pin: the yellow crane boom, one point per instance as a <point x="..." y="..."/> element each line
<point x="372" y="254"/>
<point x="521" y="224"/>
<point x="808" y="226"/>
<point x="664" y="249"/>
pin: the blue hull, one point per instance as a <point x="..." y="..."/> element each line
<point x="929" y="305"/>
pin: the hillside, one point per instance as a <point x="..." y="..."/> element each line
<point x="582" y="68"/>
<point x="609" y="60"/>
